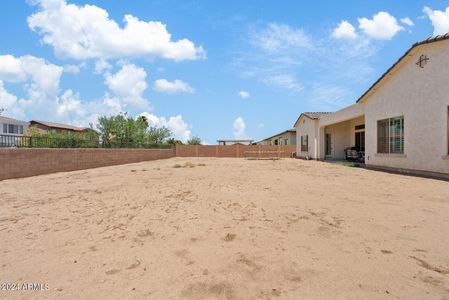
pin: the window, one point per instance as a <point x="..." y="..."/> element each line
<point x="304" y="143"/>
<point x="285" y="141"/>
<point x="360" y="141"/>
<point x="5" y="128"/>
<point x="390" y="135"/>
<point x="14" y="129"/>
<point x="360" y="127"/>
<point x="328" y="145"/>
<point x="21" y="129"/>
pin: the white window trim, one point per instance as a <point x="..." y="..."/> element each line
<point x="389" y="154"/>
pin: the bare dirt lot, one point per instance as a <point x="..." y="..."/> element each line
<point x="225" y="229"/>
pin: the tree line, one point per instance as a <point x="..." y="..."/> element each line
<point x="121" y="131"/>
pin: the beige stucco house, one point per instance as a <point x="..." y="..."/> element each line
<point x="400" y="123"/>
<point x="287" y="137"/>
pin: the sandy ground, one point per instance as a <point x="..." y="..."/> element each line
<point x="232" y="229"/>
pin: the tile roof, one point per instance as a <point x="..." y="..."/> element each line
<point x="312" y="115"/>
<point x="59" y="125"/>
<point x="315" y="115"/>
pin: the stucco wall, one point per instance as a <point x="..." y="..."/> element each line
<point x="345" y="114"/>
<point x="307" y="126"/>
<point x="421" y="95"/>
<point x="15" y="122"/>
<point x="341" y="138"/>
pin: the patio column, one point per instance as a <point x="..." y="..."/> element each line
<point x="320" y="155"/>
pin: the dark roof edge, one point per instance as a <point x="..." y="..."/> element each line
<point x="307" y="114"/>
<point x="426" y="41"/>
<point x="59" y="125"/>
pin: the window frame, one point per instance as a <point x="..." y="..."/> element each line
<point x="387" y="143"/>
<point x="305" y="143"/>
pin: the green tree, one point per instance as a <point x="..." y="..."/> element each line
<point x="107" y="127"/>
<point x="124" y="131"/>
<point x="173" y="141"/>
<point x="158" y="135"/>
<point x="194" y="141"/>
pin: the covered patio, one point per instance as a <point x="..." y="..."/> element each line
<point x="342" y="134"/>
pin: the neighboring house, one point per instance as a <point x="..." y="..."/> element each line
<point x="287" y="137"/>
<point x="44" y="127"/>
<point x="401" y="122"/>
<point x="9" y="126"/>
<point x="234" y="142"/>
<point x="307" y="134"/>
<point x="11" y="130"/>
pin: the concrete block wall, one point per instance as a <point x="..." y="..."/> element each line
<point x="16" y="163"/>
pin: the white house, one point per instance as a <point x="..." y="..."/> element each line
<point x="10" y="130"/>
<point x="401" y="122"/>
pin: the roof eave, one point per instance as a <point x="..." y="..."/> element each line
<point x="407" y="53"/>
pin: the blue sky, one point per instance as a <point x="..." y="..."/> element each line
<point x="240" y="69"/>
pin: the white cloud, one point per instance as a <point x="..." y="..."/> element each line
<point x="276" y="37"/>
<point x="11" y="69"/>
<point x="42" y="75"/>
<point x="382" y="26"/>
<point x="74" y="69"/>
<point x="9" y="102"/>
<point x="439" y="19"/>
<point x="70" y="103"/>
<point x="177" y="86"/>
<point x="179" y="128"/>
<point x="244" y="94"/>
<point x="344" y="30"/>
<point x="260" y="125"/>
<point x="407" y="21"/>
<point x="43" y="98"/>
<point x="129" y="84"/>
<point x="327" y="97"/>
<point x="239" y="128"/>
<point x="102" y="66"/>
<point x="87" y="32"/>
<point x="277" y="50"/>
<point x="286" y="81"/>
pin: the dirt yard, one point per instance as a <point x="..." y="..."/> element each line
<point x="225" y="229"/>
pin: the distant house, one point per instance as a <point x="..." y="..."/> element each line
<point x="234" y="142"/>
<point x="44" y="127"/>
<point x="11" y="130"/>
<point x="287" y="137"/>
<point x="306" y="134"/>
<point x="9" y="126"/>
<point x="401" y="123"/>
